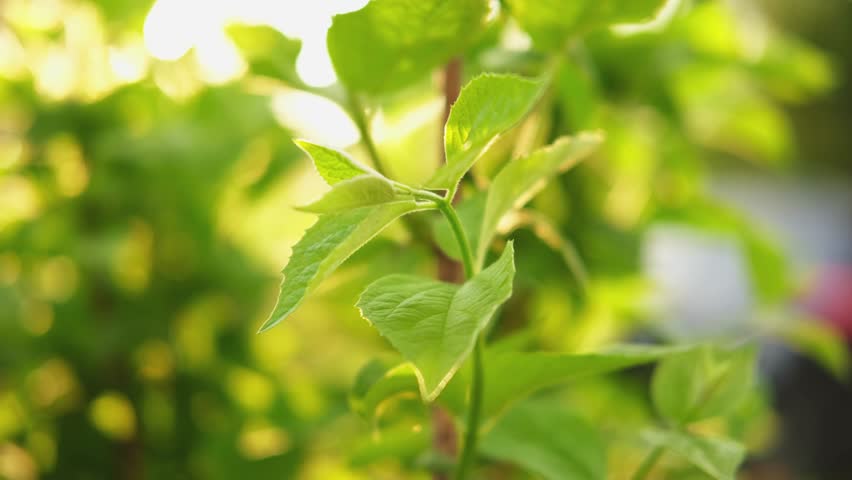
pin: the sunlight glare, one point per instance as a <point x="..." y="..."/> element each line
<point x="314" y="117"/>
<point x="168" y="34"/>
<point x="219" y="61"/>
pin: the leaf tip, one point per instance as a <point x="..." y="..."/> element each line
<point x="268" y="325"/>
<point x="302" y="143"/>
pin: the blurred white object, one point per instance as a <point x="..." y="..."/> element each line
<point x="701" y="282"/>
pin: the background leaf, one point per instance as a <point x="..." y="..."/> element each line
<point x="391" y="43"/>
<point x="521" y="179"/>
<point x="268" y="52"/>
<point x="717" y="457"/>
<point x="552" y="22"/>
<point x="702" y="383"/>
<point x="511" y="376"/>
<point x="549" y="440"/>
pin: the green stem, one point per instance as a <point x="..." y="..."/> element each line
<point x="648" y="463"/>
<point x="360" y="119"/>
<point x="449" y="212"/>
<point x="468" y="453"/>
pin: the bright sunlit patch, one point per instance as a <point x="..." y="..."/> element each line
<point x="16" y="463"/>
<point x="19" y="200"/>
<point x="514" y="39"/>
<point x="65" y="158"/>
<point x="13" y="61"/>
<point x="55" y="279"/>
<point x="219" y="61"/>
<point x="38" y="318"/>
<point x="178" y="80"/>
<point x="13" y="152"/>
<point x="170" y="28"/>
<point x="34" y="14"/>
<point x="12" y="414"/>
<point x="128" y="62"/>
<point x="313" y="64"/>
<point x="113" y="414"/>
<point x="315" y="118"/>
<point x="154" y="360"/>
<point x="131" y="262"/>
<point x="260" y="440"/>
<point x="54" y="385"/>
<point x="55" y="74"/>
<point x="252" y="390"/>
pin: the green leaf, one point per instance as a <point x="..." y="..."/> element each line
<point x="521" y="179"/>
<point x="333" y="166"/>
<point x="817" y="340"/>
<point x="511" y="376"/>
<point x="470" y="212"/>
<point x="391" y="43"/>
<point x="401" y="443"/>
<point x="487" y="106"/>
<point x="268" y="52"/>
<point x="701" y="383"/>
<point x="434" y="324"/>
<point x="378" y="382"/>
<point x="551" y="23"/>
<point x="547" y="439"/>
<point x="717" y="457"/>
<point x="361" y="191"/>
<point x="326" y="245"/>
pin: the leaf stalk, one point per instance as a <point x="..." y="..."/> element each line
<point x="648" y="463"/>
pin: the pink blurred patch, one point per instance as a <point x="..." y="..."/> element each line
<point x="830" y="298"/>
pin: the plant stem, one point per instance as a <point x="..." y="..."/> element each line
<point x="468" y="453"/>
<point x="356" y="109"/>
<point x="648" y="463"/>
<point x="449" y="212"/>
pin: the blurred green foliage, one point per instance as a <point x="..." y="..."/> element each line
<point x="145" y="214"/>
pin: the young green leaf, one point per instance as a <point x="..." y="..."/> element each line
<point x="333" y="166"/>
<point x="702" y="383"/>
<point x="327" y="244"/>
<point x="548" y="440"/>
<point x="511" y="376"/>
<point x="521" y="179"/>
<point x="487" y="106"/>
<point x="434" y="324"/>
<point x="361" y="191"/>
<point x="391" y="43"/>
<point x="717" y="457"/>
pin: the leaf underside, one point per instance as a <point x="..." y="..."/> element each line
<point x="326" y="245"/>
